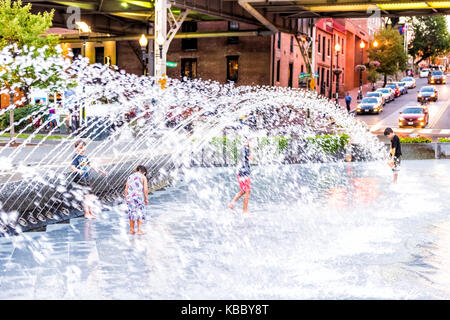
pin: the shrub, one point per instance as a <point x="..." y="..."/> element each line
<point x="330" y="143"/>
<point x="444" y="139"/>
<point x="418" y="139"/>
<point x="19" y="113"/>
<point x="282" y="143"/>
<point x="231" y="146"/>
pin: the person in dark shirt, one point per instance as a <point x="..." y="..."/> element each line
<point x="243" y="176"/>
<point x="395" y="152"/>
<point x="81" y="166"/>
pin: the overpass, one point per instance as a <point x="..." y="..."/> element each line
<point x="108" y="15"/>
<point x="131" y="18"/>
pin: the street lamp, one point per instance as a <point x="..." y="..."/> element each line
<point x="362" y="45"/>
<point x="375" y="45"/>
<point x="337" y="48"/>
<point x="160" y="40"/>
<point x="143" y="42"/>
<point x="83" y="27"/>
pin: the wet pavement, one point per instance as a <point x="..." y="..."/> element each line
<point x="320" y="231"/>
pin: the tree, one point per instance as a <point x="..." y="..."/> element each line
<point x="431" y="38"/>
<point x="390" y="52"/>
<point x="372" y="76"/>
<point x="29" y="57"/>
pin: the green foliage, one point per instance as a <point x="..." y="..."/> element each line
<point x="231" y="146"/>
<point x="372" y="75"/>
<point x="390" y="52"/>
<point x="21" y="26"/>
<point x="19" y="113"/>
<point x="431" y="37"/>
<point x="415" y="140"/>
<point x="37" y="136"/>
<point x="282" y="143"/>
<point x="330" y="143"/>
<point x="444" y="139"/>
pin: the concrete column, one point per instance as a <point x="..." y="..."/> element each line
<point x="161" y="7"/>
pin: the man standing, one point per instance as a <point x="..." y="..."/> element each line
<point x="348" y="100"/>
<point x="395" y="152"/>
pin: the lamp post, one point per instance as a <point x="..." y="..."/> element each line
<point x="160" y="42"/>
<point x="337" y="49"/>
<point x="362" y="45"/>
<point x="83" y="27"/>
<point x="143" y="42"/>
<point x="375" y="45"/>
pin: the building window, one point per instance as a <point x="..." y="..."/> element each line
<point x="328" y="78"/>
<point x="318" y="45"/>
<point x="292" y="44"/>
<point x="233" y="26"/>
<point x="290" y="74"/>
<point x="278" y="70"/>
<point x="323" y="46"/>
<point x="99" y="55"/>
<point x="279" y="40"/>
<point x="232" y="68"/>
<point x="301" y="69"/>
<point x="342" y="45"/>
<point x="329" y="46"/>
<point x="189" y="44"/>
<point x="189" y="68"/>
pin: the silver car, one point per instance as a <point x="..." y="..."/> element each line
<point x="388" y="94"/>
<point x="410" y="82"/>
<point x="376" y="94"/>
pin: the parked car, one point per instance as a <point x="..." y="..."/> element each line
<point x="409" y="81"/>
<point x="436" y="76"/>
<point x="376" y="94"/>
<point x="427" y="92"/>
<point x="395" y="87"/>
<point x="370" y="105"/>
<point x="424" y="73"/>
<point x="414" y="117"/>
<point x="403" y="87"/>
<point x="388" y="94"/>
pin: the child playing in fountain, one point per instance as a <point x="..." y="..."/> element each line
<point x="243" y="176"/>
<point x="81" y="166"/>
<point x="136" y="197"/>
<point x="395" y="152"/>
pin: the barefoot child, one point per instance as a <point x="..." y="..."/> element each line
<point x="136" y="196"/>
<point x="243" y="177"/>
<point x="81" y="166"/>
<point x="395" y="152"/>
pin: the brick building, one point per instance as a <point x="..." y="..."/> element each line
<point x="242" y="60"/>
<point x="246" y="60"/>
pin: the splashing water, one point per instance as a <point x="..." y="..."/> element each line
<point x="311" y="209"/>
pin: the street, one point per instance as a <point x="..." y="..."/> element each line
<point x="439" y="124"/>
